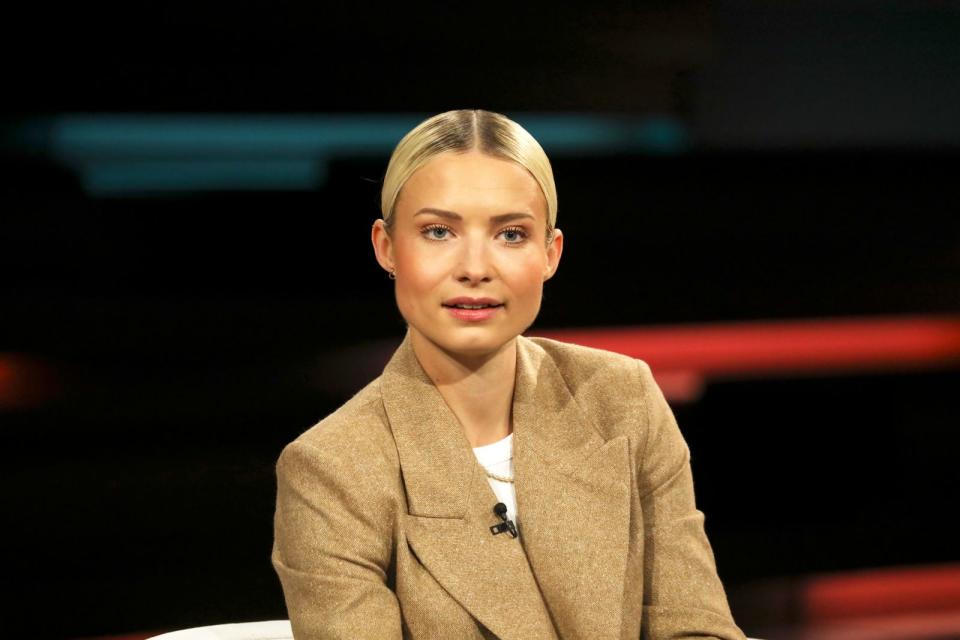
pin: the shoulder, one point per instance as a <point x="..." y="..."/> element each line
<point x="578" y="361"/>
<point x="613" y="387"/>
<point x="339" y="488"/>
<point x="356" y="435"/>
<point x="591" y="369"/>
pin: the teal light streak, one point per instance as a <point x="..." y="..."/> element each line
<point x="127" y="154"/>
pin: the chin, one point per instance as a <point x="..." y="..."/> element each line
<point x="470" y="341"/>
<point x="475" y="340"/>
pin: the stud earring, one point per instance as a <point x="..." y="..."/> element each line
<point x="393" y="274"/>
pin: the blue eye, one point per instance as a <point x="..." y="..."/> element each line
<point x="432" y="228"/>
<point x="518" y="233"/>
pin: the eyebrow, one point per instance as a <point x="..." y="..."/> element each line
<point x="450" y="215"/>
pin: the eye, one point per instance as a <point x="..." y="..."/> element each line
<point x="515" y="235"/>
<point x="435" y="231"/>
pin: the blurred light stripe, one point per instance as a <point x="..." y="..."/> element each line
<point x="129" y="154"/>
<point x="883" y="592"/>
<point x="792" y="346"/>
<point x="89" y="137"/>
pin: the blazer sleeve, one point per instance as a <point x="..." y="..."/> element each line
<point x="333" y="544"/>
<point x="682" y="595"/>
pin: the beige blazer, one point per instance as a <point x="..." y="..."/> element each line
<point x="382" y="526"/>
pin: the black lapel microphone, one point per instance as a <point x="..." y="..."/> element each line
<point x="507" y="525"/>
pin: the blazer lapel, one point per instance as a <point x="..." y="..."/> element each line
<point x="450" y="506"/>
<point x="573" y="500"/>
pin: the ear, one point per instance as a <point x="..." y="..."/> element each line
<point x="554" y="251"/>
<point x="382" y="245"/>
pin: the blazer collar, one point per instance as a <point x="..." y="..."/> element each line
<point x="573" y="503"/>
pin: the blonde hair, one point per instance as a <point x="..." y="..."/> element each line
<point x="460" y="131"/>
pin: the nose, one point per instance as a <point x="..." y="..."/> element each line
<point x="474" y="264"/>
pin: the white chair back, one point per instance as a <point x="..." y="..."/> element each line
<point x="264" y="630"/>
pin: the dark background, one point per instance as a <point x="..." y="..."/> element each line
<point x="173" y="341"/>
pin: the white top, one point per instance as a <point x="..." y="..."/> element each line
<point x="497" y="457"/>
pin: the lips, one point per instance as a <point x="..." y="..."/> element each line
<point x="474" y="315"/>
<point x="463" y="302"/>
<point x="472" y="306"/>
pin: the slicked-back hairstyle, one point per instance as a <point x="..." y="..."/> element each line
<point x="460" y="131"/>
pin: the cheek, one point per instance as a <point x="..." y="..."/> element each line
<point x="420" y="276"/>
<point x="527" y="276"/>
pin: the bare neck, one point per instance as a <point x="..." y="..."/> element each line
<point x="479" y="390"/>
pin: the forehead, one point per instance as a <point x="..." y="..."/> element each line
<point x="473" y="181"/>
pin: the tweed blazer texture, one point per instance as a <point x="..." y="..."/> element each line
<point x="383" y="513"/>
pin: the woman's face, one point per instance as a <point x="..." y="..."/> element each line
<point x="468" y="225"/>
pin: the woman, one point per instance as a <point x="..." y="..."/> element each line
<point x="390" y="519"/>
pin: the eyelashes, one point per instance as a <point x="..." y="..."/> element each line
<point x="428" y="233"/>
<point x="428" y="230"/>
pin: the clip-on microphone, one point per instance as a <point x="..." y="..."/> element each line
<point x="507" y="525"/>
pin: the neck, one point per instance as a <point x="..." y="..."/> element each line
<point x="478" y="388"/>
